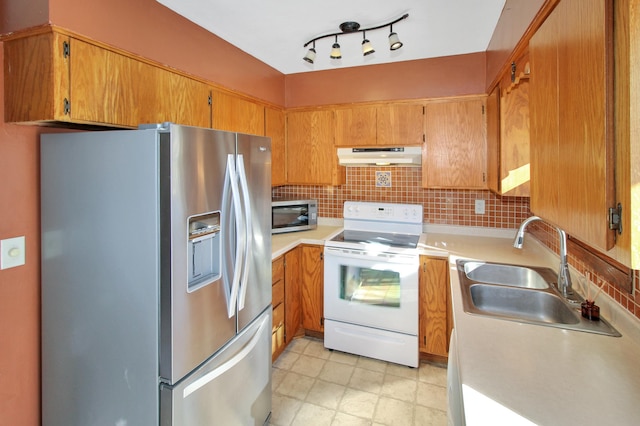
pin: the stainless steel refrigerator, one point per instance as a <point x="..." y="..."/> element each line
<point x="156" y="277"/>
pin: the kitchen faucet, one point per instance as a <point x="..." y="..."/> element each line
<point x="564" y="277"/>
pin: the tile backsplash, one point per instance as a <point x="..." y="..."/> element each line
<point x="404" y="185"/>
<point x="441" y="207"/>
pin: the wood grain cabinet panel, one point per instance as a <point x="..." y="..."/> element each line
<point x="400" y="124"/>
<point x="236" y="114"/>
<point x="435" y="307"/>
<point x="454" y="153"/>
<point x="312" y="291"/>
<point x="572" y="144"/>
<point x="356" y="126"/>
<point x="292" y="286"/>
<point x="274" y="127"/>
<point x="55" y="77"/>
<point x="508" y="158"/>
<point x="311" y="153"/>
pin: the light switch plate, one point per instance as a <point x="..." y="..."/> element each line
<point x="13" y="253"/>
<point x="479" y="206"/>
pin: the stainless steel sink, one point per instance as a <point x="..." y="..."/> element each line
<point x="524" y="294"/>
<point x="527" y="305"/>
<point x="513" y="275"/>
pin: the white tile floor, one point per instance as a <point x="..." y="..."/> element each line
<point x="313" y="386"/>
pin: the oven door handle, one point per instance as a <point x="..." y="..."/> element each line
<point x="363" y="255"/>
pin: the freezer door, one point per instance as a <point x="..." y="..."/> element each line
<point x="254" y="162"/>
<point x="195" y="322"/>
<point x="233" y="388"/>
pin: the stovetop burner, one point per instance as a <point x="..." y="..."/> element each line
<point x="380" y="238"/>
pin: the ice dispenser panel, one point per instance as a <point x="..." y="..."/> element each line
<point x="204" y="255"/>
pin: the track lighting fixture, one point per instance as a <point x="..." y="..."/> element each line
<point x="354" y="27"/>
<point x="367" y="48"/>
<point x="311" y="54"/>
<point x="394" y="40"/>
<point x="335" y="50"/>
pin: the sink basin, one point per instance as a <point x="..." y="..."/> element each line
<point x="527" y="305"/>
<point x="524" y="294"/>
<point x="495" y="273"/>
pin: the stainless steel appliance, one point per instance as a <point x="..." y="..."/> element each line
<point x="289" y="215"/>
<point x="156" y="277"/>
<point x="371" y="282"/>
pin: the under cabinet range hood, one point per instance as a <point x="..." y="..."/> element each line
<point x="383" y="156"/>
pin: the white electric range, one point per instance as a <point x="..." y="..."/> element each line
<point x="371" y="282"/>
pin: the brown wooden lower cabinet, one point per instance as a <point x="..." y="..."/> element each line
<point x="285" y="300"/>
<point x="277" y="301"/>
<point x="312" y="291"/>
<point x="435" y="308"/>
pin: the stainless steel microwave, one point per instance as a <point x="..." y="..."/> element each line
<point x="289" y="215"/>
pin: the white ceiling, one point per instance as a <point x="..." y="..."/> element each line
<point x="274" y="31"/>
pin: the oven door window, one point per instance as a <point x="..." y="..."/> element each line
<point x="370" y="286"/>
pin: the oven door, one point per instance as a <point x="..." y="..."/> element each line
<point x="378" y="290"/>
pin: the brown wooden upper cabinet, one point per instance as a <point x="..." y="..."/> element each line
<point x="572" y="173"/>
<point x="508" y="159"/>
<point x="311" y="153"/>
<point x="454" y="153"/>
<point x="236" y="114"/>
<point x="375" y="125"/>
<point x="274" y="127"/>
<point x="55" y="77"/>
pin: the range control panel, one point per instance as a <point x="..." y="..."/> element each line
<point x="385" y="212"/>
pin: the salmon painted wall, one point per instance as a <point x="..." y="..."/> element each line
<point x="425" y="78"/>
<point x="19" y="286"/>
<point x="147" y="28"/>
<point x="513" y="23"/>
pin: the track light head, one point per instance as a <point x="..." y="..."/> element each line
<point x="335" y="50"/>
<point x="367" y="48"/>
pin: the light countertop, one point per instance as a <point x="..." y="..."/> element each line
<point x="514" y="373"/>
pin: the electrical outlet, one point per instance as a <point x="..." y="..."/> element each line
<point x="479" y="206"/>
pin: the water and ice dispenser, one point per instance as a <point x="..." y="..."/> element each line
<point x="204" y="252"/>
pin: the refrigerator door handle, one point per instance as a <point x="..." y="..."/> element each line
<point x="209" y="377"/>
<point x="247" y="229"/>
<point x="231" y="181"/>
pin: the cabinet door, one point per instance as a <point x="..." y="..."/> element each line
<point x="292" y="285"/>
<point x="36" y="74"/>
<point x="454" y="154"/>
<point x="572" y="173"/>
<point x="110" y="88"/>
<point x="181" y="100"/>
<point x="514" y="141"/>
<point x="435" y="325"/>
<point x="311" y="154"/>
<point x="356" y="126"/>
<point x="493" y="140"/>
<point x="400" y="124"/>
<point x="274" y="127"/>
<point x="312" y="294"/>
<point x="508" y="159"/>
<point x="235" y="114"/>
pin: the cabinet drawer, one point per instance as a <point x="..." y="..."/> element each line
<point x="277" y="293"/>
<point x="278" y="316"/>
<point x="277" y="272"/>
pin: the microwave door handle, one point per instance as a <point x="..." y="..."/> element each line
<point x="248" y="231"/>
<point x="233" y="184"/>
